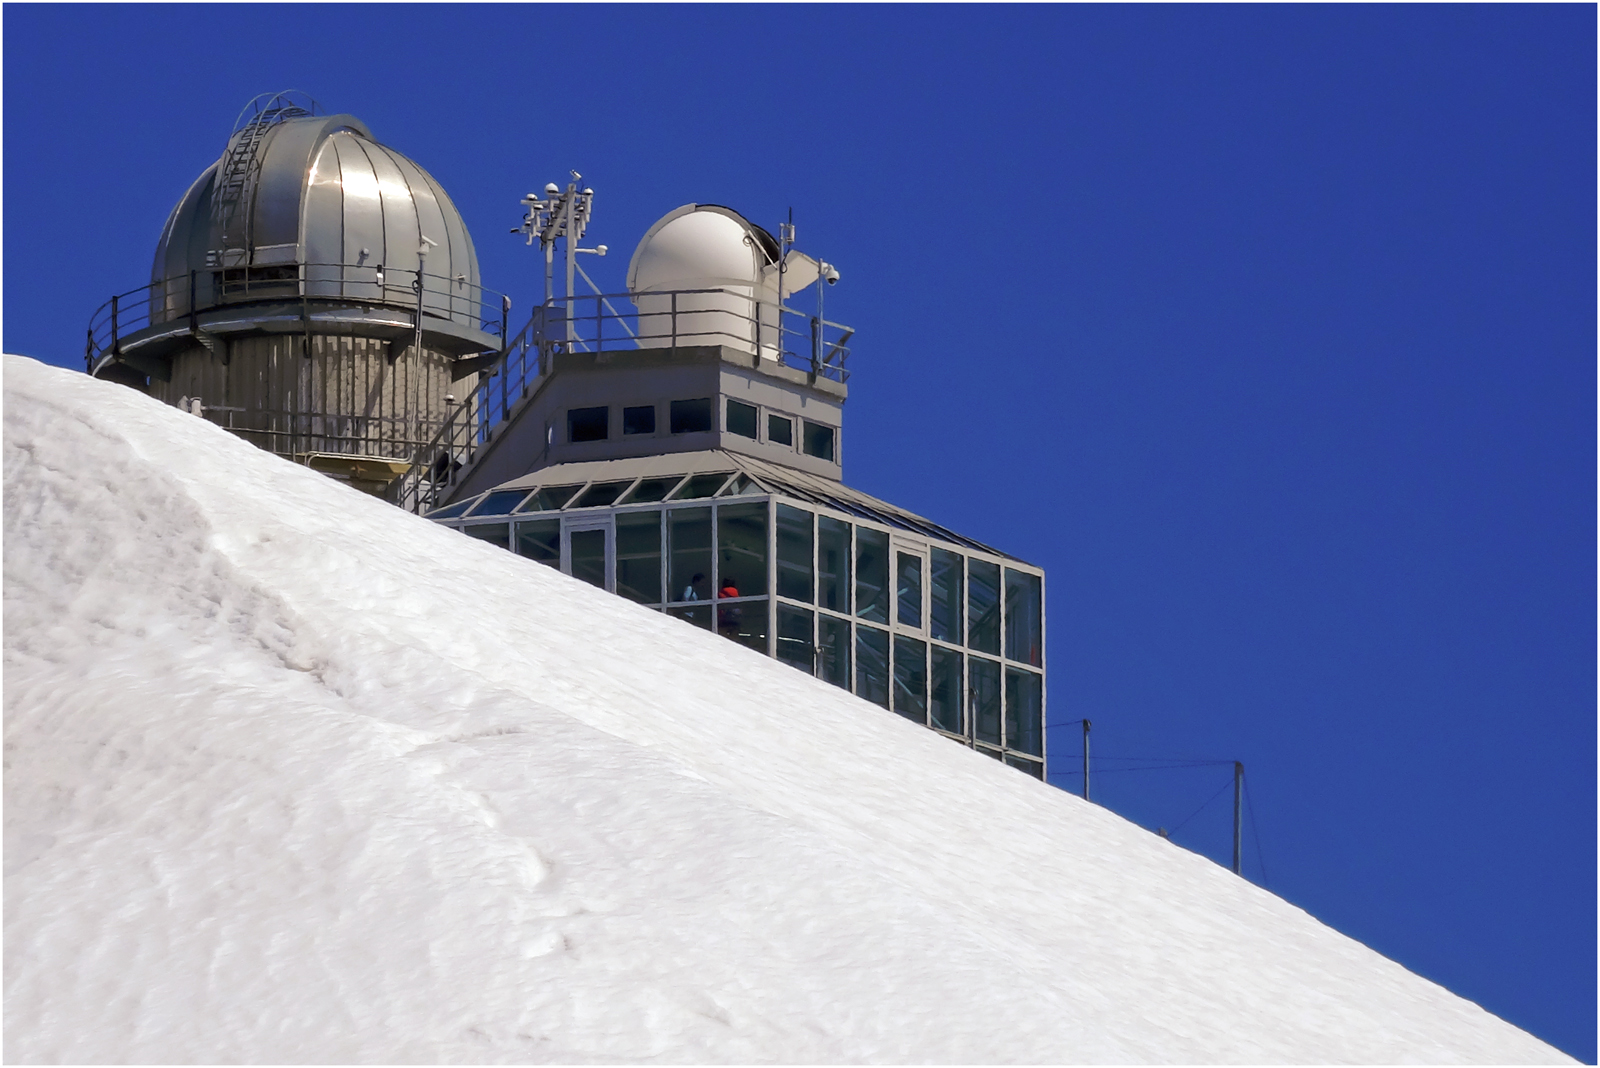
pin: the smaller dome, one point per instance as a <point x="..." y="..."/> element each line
<point x="701" y="246"/>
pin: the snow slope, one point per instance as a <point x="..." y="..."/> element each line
<point x="293" y="776"/>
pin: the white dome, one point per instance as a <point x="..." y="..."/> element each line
<point x="701" y="246"/>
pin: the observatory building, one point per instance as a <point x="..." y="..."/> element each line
<point x="314" y="291"/>
<point x="686" y="453"/>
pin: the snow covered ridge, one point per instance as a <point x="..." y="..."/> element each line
<point x="292" y="775"/>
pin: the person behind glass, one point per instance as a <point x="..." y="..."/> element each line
<point x="691" y="592"/>
<point x="728" y="614"/>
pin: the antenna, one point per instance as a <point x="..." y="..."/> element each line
<point x="564" y="215"/>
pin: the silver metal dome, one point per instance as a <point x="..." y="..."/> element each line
<point x="317" y="190"/>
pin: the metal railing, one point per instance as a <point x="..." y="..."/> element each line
<point x="667" y="320"/>
<point x="184" y="297"/>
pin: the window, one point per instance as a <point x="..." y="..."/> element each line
<point x="540" y="541"/>
<point x="944" y="595"/>
<point x="650" y="490"/>
<point x="794" y="554"/>
<point x="587" y="424"/>
<point x="741" y="419"/>
<point x="499" y="502"/>
<point x="819" y="441"/>
<point x="794" y="638"/>
<point x="493" y="533"/>
<point x="872" y="575"/>
<point x="983" y="606"/>
<point x="911" y="678"/>
<point x="872" y="665"/>
<point x="689" y="546"/>
<point x="589" y="556"/>
<point x="639" y="556"/>
<point x="742" y="550"/>
<point x="601" y="494"/>
<point x="691" y="416"/>
<point x="833" y="564"/>
<point x="1023" y="623"/>
<point x="1023" y="704"/>
<point x="985" y="699"/>
<point x="1032" y="767"/>
<point x="550" y="499"/>
<point x="641" y="420"/>
<point x="780" y="430"/>
<point x="700" y="486"/>
<point x="944" y="695"/>
<point x="908" y="590"/>
<point x="833" y="651"/>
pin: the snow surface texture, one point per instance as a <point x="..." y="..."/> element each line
<point x="293" y="776"/>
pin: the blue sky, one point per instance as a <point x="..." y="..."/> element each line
<point x="1269" y="332"/>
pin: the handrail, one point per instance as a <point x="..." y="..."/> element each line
<point x="550" y="331"/>
<point x="180" y="297"/>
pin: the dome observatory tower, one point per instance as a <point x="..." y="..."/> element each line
<point x="687" y="453"/>
<point x="314" y="291"/>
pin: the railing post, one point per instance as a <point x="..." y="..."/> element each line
<point x="115" y="336"/>
<point x="88" y="352"/>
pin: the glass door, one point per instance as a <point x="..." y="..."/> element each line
<point x="909" y="580"/>
<point x="587" y="551"/>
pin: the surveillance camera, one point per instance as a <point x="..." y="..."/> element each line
<point x="830" y="274"/>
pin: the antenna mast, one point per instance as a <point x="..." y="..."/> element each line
<point x="562" y="214"/>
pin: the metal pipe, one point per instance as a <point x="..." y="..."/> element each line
<point x="1238" y="825"/>
<point x="1086" y="760"/>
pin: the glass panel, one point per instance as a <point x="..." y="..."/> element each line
<point x="641" y="420"/>
<point x="991" y="753"/>
<point x="911" y="678"/>
<point x="1023" y="628"/>
<point x="872" y="665"/>
<point x="1023" y="693"/>
<point x="983" y="606"/>
<point x="689" y="543"/>
<point x="742" y="550"/>
<point x="540" y="541"/>
<point x="493" y="533"/>
<point x="819" y="440"/>
<point x="691" y="416"/>
<point x="794" y="554"/>
<point x="700" y="617"/>
<point x="589" y="556"/>
<point x="451" y="512"/>
<point x="985" y="699"/>
<point x="908" y="590"/>
<point x="944" y="595"/>
<point x="741" y="419"/>
<point x="1032" y="767"/>
<point x="944" y="697"/>
<point x="745" y="622"/>
<point x="651" y="490"/>
<point x="833" y="564"/>
<point x="740" y="485"/>
<point x="795" y="647"/>
<point x="587" y="424"/>
<point x="500" y="502"/>
<point x="833" y="652"/>
<point x="639" y="556"/>
<point x="701" y="486"/>
<point x="601" y="494"/>
<point x="780" y="431"/>
<point x="872" y="575"/>
<point x="550" y="499"/>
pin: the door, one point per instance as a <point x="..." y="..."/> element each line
<point x="588" y="551"/>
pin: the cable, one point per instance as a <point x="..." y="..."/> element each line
<point x="1250" y="811"/>
<point x="1201" y="809"/>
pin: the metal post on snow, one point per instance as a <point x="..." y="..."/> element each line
<point x="1238" y="826"/>
<point x="1086" y="760"/>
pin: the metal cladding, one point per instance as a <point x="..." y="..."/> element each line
<point x="316" y="190"/>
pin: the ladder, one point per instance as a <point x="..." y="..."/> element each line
<point x="236" y="178"/>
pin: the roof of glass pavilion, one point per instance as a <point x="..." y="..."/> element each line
<point x="686" y="476"/>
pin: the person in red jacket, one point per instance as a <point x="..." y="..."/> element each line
<point x="728" y="614"/>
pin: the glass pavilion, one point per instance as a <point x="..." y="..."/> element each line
<point x="939" y="628"/>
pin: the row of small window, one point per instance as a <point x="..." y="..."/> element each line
<point x="603" y="494"/>
<point x="946" y="595"/>
<point x="694" y="417"/>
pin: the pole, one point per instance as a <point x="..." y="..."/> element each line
<point x="572" y="258"/>
<point x="1238" y="826"/>
<point x="1086" y="760"/>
